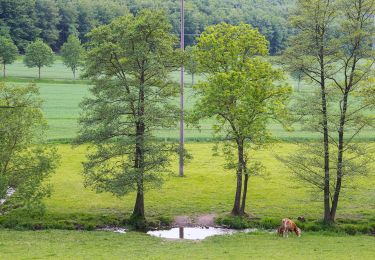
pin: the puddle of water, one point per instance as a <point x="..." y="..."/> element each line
<point x="113" y="229"/>
<point x="195" y="233"/>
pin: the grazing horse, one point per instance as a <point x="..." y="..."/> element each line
<point x="288" y="225"/>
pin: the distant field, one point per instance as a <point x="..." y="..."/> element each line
<point x="62" y="99"/>
<point x="57" y="71"/>
<point x="55" y="244"/>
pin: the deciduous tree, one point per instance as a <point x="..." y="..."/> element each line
<point x="8" y="52"/>
<point x="191" y="63"/>
<point x="333" y="49"/>
<point x="25" y="163"/>
<point x="242" y="93"/>
<point x="71" y="53"/>
<point x="129" y="62"/>
<point x="38" y="54"/>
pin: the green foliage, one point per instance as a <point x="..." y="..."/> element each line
<point x="129" y="62"/>
<point x="337" y="60"/>
<point x="190" y="63"/>
<point x="26" y="20"/>
<point x="47" y="13"/>
<point x="241" y="93"/>
<point x="235" y="222"/>
<point x="269" y="16"/>
<point x="8" y="51"/>
<point x="25" y="163"/>
<point x="71" y="53"/>
<point x="19" y="19"/>
<point x="38" y="54"/>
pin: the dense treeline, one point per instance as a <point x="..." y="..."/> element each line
<point x="54" y="20"/>
<point x="270" y="16"/>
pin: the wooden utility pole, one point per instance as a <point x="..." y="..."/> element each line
<point x="182" y="83"/>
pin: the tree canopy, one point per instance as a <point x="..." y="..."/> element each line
<point x="71" y="53"/>
<point x="54" y="20"/>
<point x="8" y="52"/>
<point x="129" y="61"/>
<point x="25" y="162"/>
<point x="38" y="54"/>
<point x="242" y="93"/>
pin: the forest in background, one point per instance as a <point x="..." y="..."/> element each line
<point x="54" y="20"/>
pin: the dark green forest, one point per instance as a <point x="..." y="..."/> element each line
<point x="54" y="20"/>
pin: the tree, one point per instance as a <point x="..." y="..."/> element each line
<point x="71" y="53"/>
<point x="241" y="94"/>
<point x="298" y="76"/>
<point x="191" y="64"/>
<point x="8" y="52"/>
<point x="310" y="53"/>
<point x="68" y="21"/>
<point x="20" y="17"/>
<point x="25" y="163"/>
<point x="332" y="48"/>
<point x="129" y="61"/>
<point x="48" y="18"/>
<point x="38" y="54"/>
<point x="356" y="60"/>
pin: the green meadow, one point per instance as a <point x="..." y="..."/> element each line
<point x="53" y="244"/>
<point x="206" y="189"/>
<point x="62" y="97"/>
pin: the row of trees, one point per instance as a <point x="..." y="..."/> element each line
<point x="129" y="62"/>
<point x="38" y="54"/>
<point x="54" y="20"/>
<point x="333" y="51"/>
<point x="129" y="59"/>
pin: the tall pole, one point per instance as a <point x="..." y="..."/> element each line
<point x="182" y="138"/>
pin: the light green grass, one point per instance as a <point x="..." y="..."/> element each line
<point x="207" y="188"/>
<point x="62" y="96"/>
<point x="57" y="71"/>
<point x="104" y="245"/>
<point x="62" y="111"/>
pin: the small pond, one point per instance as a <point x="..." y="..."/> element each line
<point x="194" y="233"/>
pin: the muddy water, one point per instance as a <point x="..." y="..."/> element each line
<point x="195" y="233"/>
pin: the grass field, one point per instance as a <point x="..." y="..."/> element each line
<point x="207" y="188"/>
<point x="62" y="96"/>
<point x="104" y="245"/>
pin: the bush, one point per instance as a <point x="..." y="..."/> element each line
<point x="235" y="222"/>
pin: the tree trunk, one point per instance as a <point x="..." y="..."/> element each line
<point x="192" y="79"/>
<point x="4" y="71"/>
<point x="327" y="217"/>
<point x="74" y="74"/>
<point x="139" y="207"/>
<point x="340" y="156"/>
<point x="139" y="211"/>
<point x="39" y="71"/>
<point x="243" y="205"/>
<point x="237" y="200"/>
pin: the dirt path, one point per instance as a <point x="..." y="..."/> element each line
<point x="206" y="220"/>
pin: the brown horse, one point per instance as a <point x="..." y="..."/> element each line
<point x="288" y="225"/>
